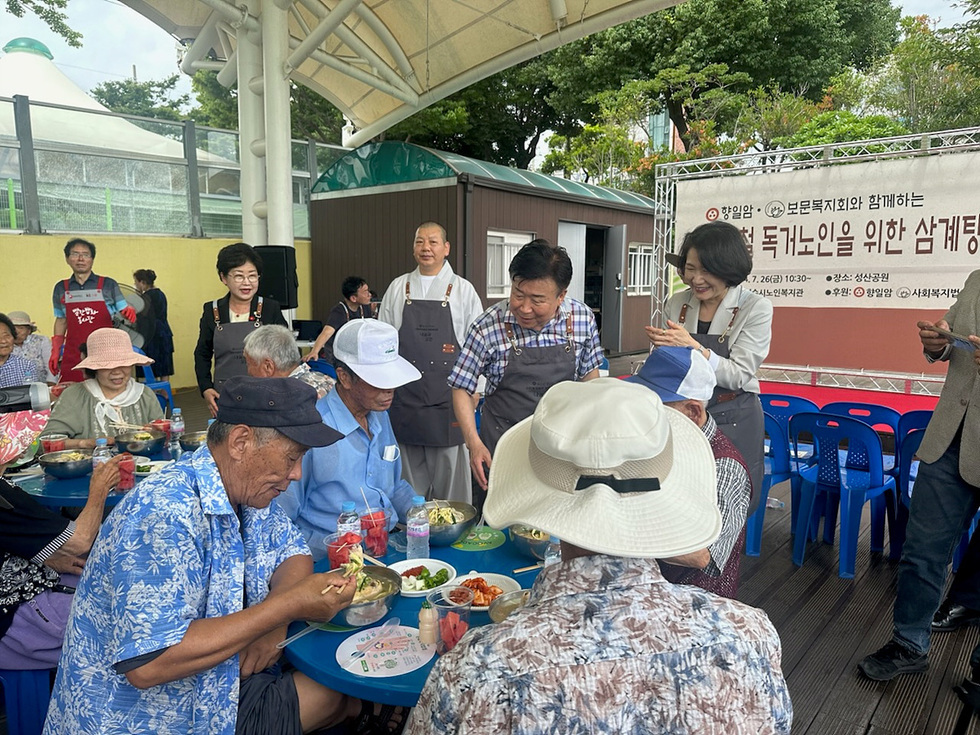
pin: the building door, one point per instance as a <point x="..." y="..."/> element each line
<point x="571" y="236"/>
<point x="613" y="288"/>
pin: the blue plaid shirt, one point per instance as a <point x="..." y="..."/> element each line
<point x="487" y="348"/>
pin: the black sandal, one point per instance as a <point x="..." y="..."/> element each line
<point x="379" y="719"/>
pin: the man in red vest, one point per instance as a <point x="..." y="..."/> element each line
<point x="83" y="303"/>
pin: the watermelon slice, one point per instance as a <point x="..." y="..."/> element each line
<point x="451" y="628"/>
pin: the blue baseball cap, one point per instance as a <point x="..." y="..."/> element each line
<point x="677" y="374"/>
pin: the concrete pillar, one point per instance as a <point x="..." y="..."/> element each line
<point x="251" y="127"/>
<point x="279" y="183"/>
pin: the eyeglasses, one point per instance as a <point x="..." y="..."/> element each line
<point x="80" y="254"/>
<point x="242" y="278"/>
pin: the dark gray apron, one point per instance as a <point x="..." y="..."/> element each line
<point x="229" y="339"/>
<point x="422" y="411"/>
<point x="530" y="372"/>
<point x="738" y="413"/>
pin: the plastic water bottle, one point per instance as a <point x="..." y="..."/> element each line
<point x="348" y="521"/>
<point x="101" y="454"/>
<point x="775" y="503"/>
<point x="552" y="555"/>
<point x="176" y="432"/>
<point x="418" y="529"/>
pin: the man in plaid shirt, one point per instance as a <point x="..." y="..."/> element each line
<point x="522" y="346"/>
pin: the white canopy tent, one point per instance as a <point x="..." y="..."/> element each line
<point x="378" y="61"/>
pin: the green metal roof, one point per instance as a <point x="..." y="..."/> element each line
<point x="392" y="162"/>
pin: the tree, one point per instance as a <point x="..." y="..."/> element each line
<point x="50" y="12"/>
<point x="148" y="99"/>
<point x="926" y="82"/>
<point x="841" y="126"/>
<point x="311" y="115"/>
<point x="500" y="119"/>
<point x="748" y="44"/>
<point x="604" y="153"/>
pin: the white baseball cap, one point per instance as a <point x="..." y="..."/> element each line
<point x="370" y="349"/>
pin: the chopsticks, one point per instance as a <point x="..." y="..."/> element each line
<point x="529" y="569"/>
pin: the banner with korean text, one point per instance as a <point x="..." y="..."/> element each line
<point x="885" y="234"/>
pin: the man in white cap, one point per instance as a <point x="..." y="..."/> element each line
<point x="605" y="644"/>
<point x="684" y="380"/>
<point x="365" y="466"/>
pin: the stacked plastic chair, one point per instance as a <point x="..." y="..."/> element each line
<point x="782" y="408"/>
<point x="161" y="387"/>
<point x="778" y="469"/>
<point x="849" y="487"/>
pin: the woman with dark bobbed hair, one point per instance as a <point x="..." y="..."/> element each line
<point x="160" y="346"/>
<point x="226" y="322"/>
<point x="730" y="325"/>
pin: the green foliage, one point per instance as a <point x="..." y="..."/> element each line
<point x="149" y="99"/>
<point x="50" y="11"/>
<point x="604" y="153"/>
<point x="715" y="50"/>
<point x="924" y="83"/>
<point x="841" y="126"/>
<point x="500" y="119"/>
<point x="771" y="115"/>
<point x="311" y="115"/>
<point x="217" y="105"/>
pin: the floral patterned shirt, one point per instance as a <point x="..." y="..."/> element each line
<point x="172" y="552"/>
<point x="606" y="645"/>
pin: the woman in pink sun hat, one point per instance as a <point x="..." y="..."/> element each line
<point x="107" y="396"/>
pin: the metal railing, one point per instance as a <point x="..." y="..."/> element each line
<point x="79" y="170"/>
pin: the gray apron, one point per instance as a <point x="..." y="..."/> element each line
<point x="422" y="411"/>
<point x="530" y="372"/>
<point x="229" y="339"/>
<point x="738" y="413"/>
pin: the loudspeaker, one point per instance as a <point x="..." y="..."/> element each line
<point x="279" y="279"/>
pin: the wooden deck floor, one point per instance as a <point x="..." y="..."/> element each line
<point x="828" y="624"/>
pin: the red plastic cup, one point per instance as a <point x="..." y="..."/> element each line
<point x="374" y="528"/>
<point x="162" y="425"/>
<point x="53" y="442"/>
<point x="127" y="473"/>
<point x="339" y="546"/>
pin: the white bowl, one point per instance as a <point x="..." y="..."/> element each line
<point x="433" y="565"/>
<point x="507" y="584"/>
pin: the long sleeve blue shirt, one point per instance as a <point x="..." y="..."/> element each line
<point x="334" y="474"/>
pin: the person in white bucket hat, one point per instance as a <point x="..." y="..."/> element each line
<point x="366" y="466"/>
<point x="684" y="380"/>
<point x="605" y="644"/>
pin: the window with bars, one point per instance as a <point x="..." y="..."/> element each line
<point x="640" y="281"/>
<point x="501" y="248"/>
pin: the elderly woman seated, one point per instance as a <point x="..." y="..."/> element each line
<point x="108" y="397"/>
<point x="14" y="369"/>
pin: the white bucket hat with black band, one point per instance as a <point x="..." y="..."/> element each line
<point x="604" y="465"/>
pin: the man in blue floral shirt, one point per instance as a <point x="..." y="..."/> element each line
<point x="605" y="645"/>
<point x="192" y="582"/>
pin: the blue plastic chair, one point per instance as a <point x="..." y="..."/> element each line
<point x="907" y="422"/>
<point x="874" y="416"/>
<point x="852" y="488"/>
<point x="906" y="478"/>
<point x="778" y="469"/>
<point x="782" y="408"/>
<point x="26" y="695"/>
<point x="161" y="387"/>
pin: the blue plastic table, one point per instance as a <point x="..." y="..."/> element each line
<point x="315" y="654"/>
<point x="56" y="493"/>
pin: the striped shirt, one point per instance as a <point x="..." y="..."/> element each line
<point x="486" y="349"/>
